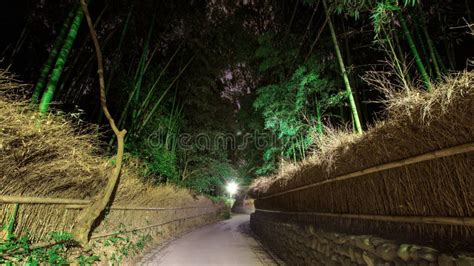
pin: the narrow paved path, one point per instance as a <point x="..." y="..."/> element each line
<point x="223" y="243"/>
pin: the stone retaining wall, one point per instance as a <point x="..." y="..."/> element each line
<point x="307" y="245"/>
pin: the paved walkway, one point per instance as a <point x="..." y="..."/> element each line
<point x="223" y="243"/>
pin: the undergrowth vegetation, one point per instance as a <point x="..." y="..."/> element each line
<point x="63" y="250"/>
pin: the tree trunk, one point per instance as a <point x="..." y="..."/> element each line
<point x="116" y="61"/>
<point x="89" y="215"/>
<point x="347" y="84"/>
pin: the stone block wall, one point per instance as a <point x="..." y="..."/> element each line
<point x="298" y="244"/>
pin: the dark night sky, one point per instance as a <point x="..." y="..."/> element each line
<point x="12" y="20"/>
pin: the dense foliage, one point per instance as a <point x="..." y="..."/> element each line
<point x="183" y="76"/>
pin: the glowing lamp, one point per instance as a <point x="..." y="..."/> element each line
<point x="232" y="188"/>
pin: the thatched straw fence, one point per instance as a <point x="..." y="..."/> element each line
<point x="126" y="214"/>
<point x="410" y="178"/>
<point x="53" y="169"/>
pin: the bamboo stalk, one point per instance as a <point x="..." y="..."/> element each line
<point x="46" y="68"/>
<point x="60" y="64"/>
<point x="138" y="78"/>
<point x="148" y="226"/>
<point x="414" y="51"/>
<point x="464" y="148"/>
<point x="291" y="20"/>
<point x="153" y="87"/>
<point x="149" y="115"/>
<point x="318" y="36"/>
<point x="131" y="208"/>
<point x="432" y="52"/>
<point x="345" y="77"/>
<point x="40" y="200"/>
<point x="465" y="221"/>
<point x="80" y="204"/>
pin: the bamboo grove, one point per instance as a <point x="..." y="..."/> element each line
<point x="287" y="71"/>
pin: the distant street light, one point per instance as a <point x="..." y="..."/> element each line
<point x="232" y="188"/>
